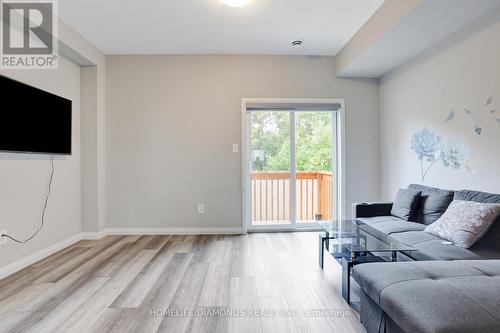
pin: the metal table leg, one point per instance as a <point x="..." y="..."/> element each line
<point x="323" y="242"/>
<point x="347" y="264"/>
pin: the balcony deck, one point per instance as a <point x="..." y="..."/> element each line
<point x="271" y="196"/>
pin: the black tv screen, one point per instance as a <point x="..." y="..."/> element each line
<point x="33" y="120"/>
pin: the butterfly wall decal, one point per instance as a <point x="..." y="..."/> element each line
<point x="451" y="116"/>
<point x="478" y="130"/>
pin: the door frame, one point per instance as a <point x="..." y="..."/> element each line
<point x="339" y="167"/>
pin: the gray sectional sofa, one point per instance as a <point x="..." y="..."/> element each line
<point x="430" y="296"/>
<point x="446" y="288"/>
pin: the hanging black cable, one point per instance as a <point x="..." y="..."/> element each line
<point x="43" y="210"/>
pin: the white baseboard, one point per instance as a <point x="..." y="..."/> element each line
<point x="174" y="231"/>
<point x="41" y="254"/>
<point x="94" y="235"/>
<point x="37" y="256"/>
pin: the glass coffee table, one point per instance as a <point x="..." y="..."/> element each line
<point x="353" y="242"/>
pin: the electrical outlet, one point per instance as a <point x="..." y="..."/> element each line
<point x="201" y="209"/>
<point x="236" y="148"/>
<point x="3" y="240"/>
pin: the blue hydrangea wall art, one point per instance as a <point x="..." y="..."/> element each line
<point x="425" y="144"/>
<point x="431" y="148"/>
<point x="454" y="152"/>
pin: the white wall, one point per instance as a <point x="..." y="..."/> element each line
<point x="78" y="180"/>
<point x="89" y="136"/>
<point x="23" y="178"/>
<point x="462" y="72"/>
<point x="172" y="120"/>
<point x="73" y="46"/>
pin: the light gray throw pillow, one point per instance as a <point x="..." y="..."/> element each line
<point x="465" y="222"/>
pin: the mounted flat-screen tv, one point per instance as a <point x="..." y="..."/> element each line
<point x="33" y="120"/>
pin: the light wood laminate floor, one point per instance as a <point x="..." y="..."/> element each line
<point x="267" y="282"/>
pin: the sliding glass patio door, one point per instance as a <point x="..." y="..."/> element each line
<point x="314" y="151"/>
<point x="292" y="156"/>
<point x="271" y="168"/>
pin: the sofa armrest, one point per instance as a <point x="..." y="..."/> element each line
<point x="371" y="209"/>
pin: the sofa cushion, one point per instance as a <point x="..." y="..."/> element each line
<point x="433" y="203"/>
<point x="391" y="224"/>
<point x="430" y="247"/>
<point x="378" y="219"/>
<point x="414" y="237"/>
<point x="465" y="222"/>
<point x="373" y="278"/>
<point x="477" y="196"/>
<point x="436" y="250"/>
<point x="436" y="296"/>
<point x="406" y="204"/>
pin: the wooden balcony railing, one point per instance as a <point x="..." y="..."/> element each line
<point x="271" y="196"/>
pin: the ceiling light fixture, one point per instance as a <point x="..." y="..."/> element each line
<point x="235" y="3"/>
<point x="297" y="43"/>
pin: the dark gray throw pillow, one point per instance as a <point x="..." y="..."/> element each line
<point x="406" y="204"/>
<point x="433" y="203"/>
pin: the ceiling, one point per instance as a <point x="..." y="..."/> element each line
<point x="210" y="27"/>
<point x="426" y="25"/>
